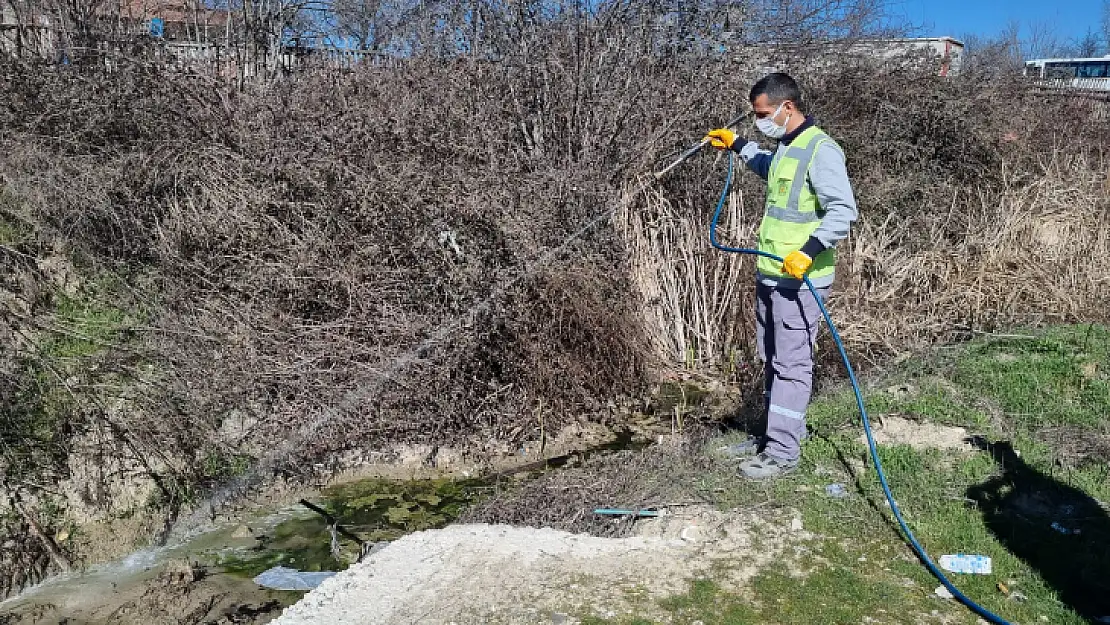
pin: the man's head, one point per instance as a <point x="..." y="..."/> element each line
<point x="777" y="98"/>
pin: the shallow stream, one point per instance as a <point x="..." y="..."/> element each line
<point x="290" y="535"/>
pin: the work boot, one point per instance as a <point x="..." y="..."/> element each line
<point x="764" y="467"/>
<point x="743" y="450"/>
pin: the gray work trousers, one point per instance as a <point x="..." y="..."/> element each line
<point x="786" y="334"/>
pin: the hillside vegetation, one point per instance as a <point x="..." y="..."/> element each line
<point x="208" y="283"/>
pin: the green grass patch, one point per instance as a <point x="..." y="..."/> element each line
<point x="1056" y="378"/>
<point x="83" y="327"/>
<point x="1041" y="403"/>
<point x="708" y="603"/>
<point x="837" y="593"/>
<point x="220" y="465"/>
<point x="13" y="230"/>
<point x="55" y="382"/>
<point x="705" y="601"/>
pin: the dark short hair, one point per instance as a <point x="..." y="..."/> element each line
<point x="778" y="87"/>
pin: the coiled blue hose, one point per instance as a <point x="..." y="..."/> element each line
<point x="910" y="538"/>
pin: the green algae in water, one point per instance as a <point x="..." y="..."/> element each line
<point x="682" y="395"/>
<point x="374" y="509"/>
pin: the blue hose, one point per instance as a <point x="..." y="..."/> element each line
<point x="959" y="596"/>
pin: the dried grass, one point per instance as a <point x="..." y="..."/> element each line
<point x="659" y="476"/>
<point x="969" y="222"/>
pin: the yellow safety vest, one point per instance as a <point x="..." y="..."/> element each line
<point x="792" y="211"/>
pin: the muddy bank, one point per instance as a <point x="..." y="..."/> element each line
<point x="208" y="577"/>
<point x="204" y="574"/>
<point x="408" y="489"/>
<point x="177" y="593"/>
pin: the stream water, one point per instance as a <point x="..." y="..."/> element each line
<point x="290" y="535"/>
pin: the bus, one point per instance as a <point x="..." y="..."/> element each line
<point x="1089" y="74"/>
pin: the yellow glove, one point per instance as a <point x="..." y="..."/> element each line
<point x="721" y="138"/>
<point x="796" y="264"/>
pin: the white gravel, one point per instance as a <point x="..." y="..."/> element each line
<point x="481" y="573"/>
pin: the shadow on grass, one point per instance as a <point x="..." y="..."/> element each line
<point x="1057" y="530"/>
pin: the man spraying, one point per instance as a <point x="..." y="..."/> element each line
<point x="809" y="209"/>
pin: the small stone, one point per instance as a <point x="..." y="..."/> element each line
<point x="182" y="571"/>
<point x="241" y="531"/>
<point x="558" y="618"/>
<point x="796" y="525"/>
<point x="447" y="458"/>
<point x="942" y="592"/>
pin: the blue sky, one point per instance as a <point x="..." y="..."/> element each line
<point x="1069" y="18"/>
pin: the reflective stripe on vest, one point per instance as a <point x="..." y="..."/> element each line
<point x="792" y="211"/>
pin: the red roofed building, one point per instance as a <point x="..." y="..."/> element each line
<point x="183" y="20"/>
<point x="47" y="28"/>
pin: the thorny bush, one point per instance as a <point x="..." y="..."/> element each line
<point x="315" y="268"/>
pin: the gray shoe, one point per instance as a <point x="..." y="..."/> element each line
<point x="743" y="450"/>
<point x="764" y="467"/>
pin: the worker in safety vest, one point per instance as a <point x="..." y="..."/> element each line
<point x="809" y="209"/>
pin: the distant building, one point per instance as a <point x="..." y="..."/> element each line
<point x="948" y="50"/>
<point x="1078" y="74"/>
<point x="944" y="53"/>
<point x="27" y="30"/>
<point x="174" y="21"/>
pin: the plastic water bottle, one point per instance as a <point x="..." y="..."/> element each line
<point x="964" y="563"/>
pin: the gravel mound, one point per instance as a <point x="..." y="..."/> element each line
<point x="501" y="574"/>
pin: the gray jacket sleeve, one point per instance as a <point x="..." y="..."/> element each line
<point x="828" y="177"/>
<point x="756" y="159"/>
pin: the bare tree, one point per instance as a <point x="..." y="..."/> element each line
<point x="1089" y="45"/>
<point x="998" y="55"/>
<point x="1106" y="26"/>
<point x="81" y="24"/>
<point x="1042" y="42"/>
<point x="24" y="31"/>
<point x="359" y="21"/>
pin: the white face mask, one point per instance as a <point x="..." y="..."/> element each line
<point x="767" y="125"/>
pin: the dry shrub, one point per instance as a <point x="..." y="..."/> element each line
<point x="419" y="250"/>
<point x="344" y="260"/>
<point x="340" y="261"/>
<point x="696" y="304"/>
<point x="21" y="556"/>
<point x="980" y="202"/>
<point x="659" y="476"/>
